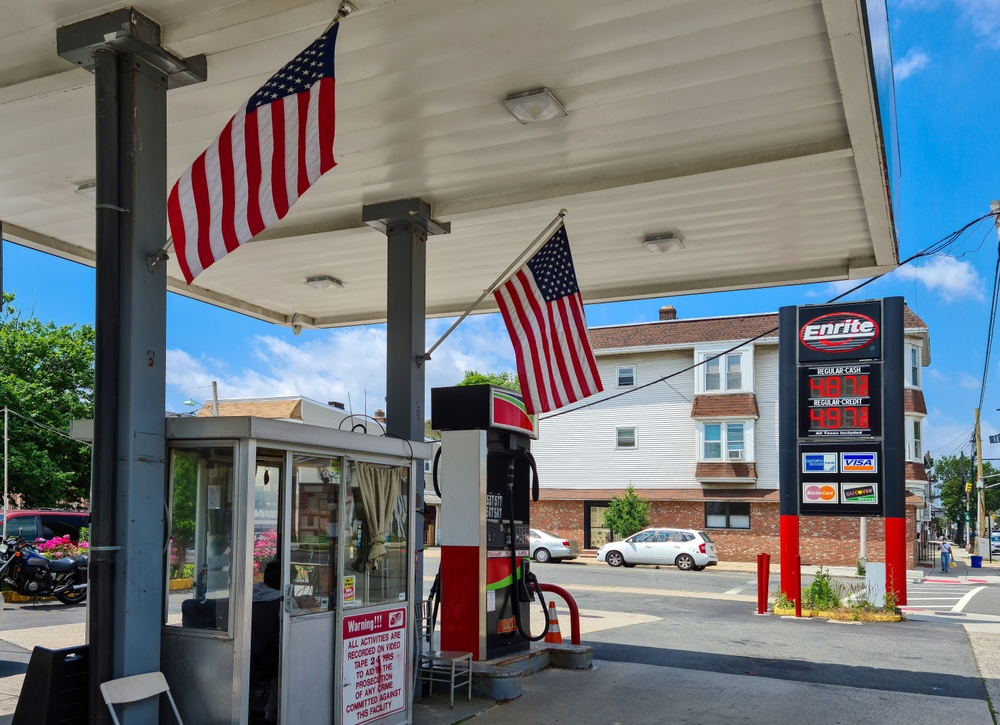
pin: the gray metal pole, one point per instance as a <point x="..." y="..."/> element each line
<point x="131" y="73"/>
<point x="103" y="484"/>
<point x="407" y="224"/>
<point x="864" y="539"/>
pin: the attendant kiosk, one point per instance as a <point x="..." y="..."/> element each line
<point x="330" y="641"/>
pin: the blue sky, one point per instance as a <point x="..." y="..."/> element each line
<point x="947" y="54"/>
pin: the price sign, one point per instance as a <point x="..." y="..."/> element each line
<point x="374" y="665"/>
<point x="841" y="400"/>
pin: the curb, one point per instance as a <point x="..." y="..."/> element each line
<point x="871" y="617"/>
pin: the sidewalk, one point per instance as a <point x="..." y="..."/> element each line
<point x="963" y="573"/>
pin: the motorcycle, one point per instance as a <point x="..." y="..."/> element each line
<point x="31" y="574"/>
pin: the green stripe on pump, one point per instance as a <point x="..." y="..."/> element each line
<point x="505" y="582"/>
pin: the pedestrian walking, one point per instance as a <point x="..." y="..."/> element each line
<point x="945" y="555"/>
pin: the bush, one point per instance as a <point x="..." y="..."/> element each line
<point x="822" y="593"/>
<point x="628" y="514"/>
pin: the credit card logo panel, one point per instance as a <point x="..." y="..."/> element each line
<point x="858" y="463"/>
<point x="819" y="462"/>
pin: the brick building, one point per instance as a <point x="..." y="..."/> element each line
<point x="702" y="447"/>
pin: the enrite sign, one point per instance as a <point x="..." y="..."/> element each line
<point x="374" y="665"/>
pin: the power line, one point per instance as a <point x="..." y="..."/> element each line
<point x="46" y="427"/>
<point x="993" y="319"/>
<point x="936" y="248"/>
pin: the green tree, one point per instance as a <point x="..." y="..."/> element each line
<point x="948" y="472"/>
<point x="628" y="514"/>
<point x="46" y="374"/>
<point x="501" y="380"/>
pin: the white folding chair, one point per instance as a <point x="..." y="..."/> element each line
<point x="137" y="687"/>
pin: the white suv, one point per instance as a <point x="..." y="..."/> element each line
<point x="686" y="549"/>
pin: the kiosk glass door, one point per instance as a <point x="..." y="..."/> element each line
<point x="310" y="546"/>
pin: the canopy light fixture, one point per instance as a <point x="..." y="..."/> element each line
<point x="88" y="189"/>
<point x="324" y="282"/>
<point x="663" y="242"/>
<point x="536" y="105"/>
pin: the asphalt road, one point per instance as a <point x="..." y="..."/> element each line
<point x="706" y="622"/>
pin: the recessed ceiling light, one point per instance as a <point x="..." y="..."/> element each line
<point x="88" y="189"/>
<point x="324" y="282"/>
<point x="536" y="105"/>
<point x="663" y="242"/>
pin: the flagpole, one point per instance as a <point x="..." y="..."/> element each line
<point x="343" y="11"/>
<point x="546" y="233"/>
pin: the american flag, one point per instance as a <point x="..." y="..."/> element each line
<point x="276" y="146"/>
<point x="543" y="310"/>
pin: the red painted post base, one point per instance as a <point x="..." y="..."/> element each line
<point x="895" y="558"/>
<point x="791" y="576"/>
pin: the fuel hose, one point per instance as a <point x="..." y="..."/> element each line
<point x="532" y="580"/>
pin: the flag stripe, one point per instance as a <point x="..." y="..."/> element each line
<point x="327" y="123"/>
<point x="226" y="172"/>
<point x="545" y="339"/>
<point x="301" y="170"/>
<point x="528" y="391"/>
<point x="255" y="175"/>
<point x="534" y="382"/>
<point x="176" y="219"/>
<point x="241" y="210"/>
<point x="523" y="301"/>
<point x="199" y="192"/>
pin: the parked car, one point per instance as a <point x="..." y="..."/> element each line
<point x="686" y="549"/>
<point x="33" y="524"/>
<point x="546" y="546"/>
<point x="995" y="542"/>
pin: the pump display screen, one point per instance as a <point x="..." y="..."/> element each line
<point x="838" y="401"/>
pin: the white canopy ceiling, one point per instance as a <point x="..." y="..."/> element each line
<point x="750" y="128"/>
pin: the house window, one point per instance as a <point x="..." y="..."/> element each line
<point x="626" y="376"/>
<point x="712" y="377"/>
<point x="625" y="437"/>
<point x="917" y="443"/>
<point x="734" y="372"/>
<point x="728" y="437"/>
<point x="733" y="378"/>
<point x="726" y="515"/>
<point x="713" y="441"/>
<point x="915" y="367"/>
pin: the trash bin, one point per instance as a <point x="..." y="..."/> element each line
<point x="977" y="562"/>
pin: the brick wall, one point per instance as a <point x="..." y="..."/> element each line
<point x="826" y="540"/>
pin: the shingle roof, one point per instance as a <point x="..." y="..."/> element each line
<point x="283" y="409"/>
<point x="726" y="405"/>
<point x="709" y="329"/>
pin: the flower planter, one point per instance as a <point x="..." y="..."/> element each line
<point x="182" y="583"/>
<point x="844" y="615"/>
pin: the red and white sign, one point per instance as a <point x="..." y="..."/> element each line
<point x="374" y="666"/>
<point x="838" y="332"/>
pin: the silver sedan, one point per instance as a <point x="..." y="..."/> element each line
<point x="546" y="546"/>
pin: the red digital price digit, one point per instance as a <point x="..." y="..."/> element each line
<point x="863" y="392"/>
<point x="863" y="423"/>
<point x="833" y="418"/>
<point x="816" y="418"/>
<point x="815" y="387"/>
<point x="833" y="387"/>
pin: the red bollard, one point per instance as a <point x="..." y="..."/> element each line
<point x="761" y="585"/>
<point x="798" y="594"/>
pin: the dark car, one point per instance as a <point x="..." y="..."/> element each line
<point x="32" y="524"/>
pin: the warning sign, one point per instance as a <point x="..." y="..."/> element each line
<point x="374" y="665"/>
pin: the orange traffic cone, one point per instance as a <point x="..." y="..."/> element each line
<point x="554" y="636"/>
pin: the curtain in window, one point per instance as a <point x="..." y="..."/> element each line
<point x="379" y="490"/>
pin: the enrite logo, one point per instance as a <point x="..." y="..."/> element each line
<point x="838" y="332"/>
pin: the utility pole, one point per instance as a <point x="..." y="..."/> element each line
<point x="980" y="491"/>
<point x="961" y="474"/>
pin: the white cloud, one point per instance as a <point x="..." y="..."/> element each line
<point x="952" y="279"/>
<point x="913" y="62"/>
<point x="346" y="365"/>
<point x="985" y="18"/>
<point x="969" y="381"/>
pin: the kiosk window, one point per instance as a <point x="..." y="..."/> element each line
<point x="201" y="537"/>
<point x="315" y="512"/>
<point x="377" y="552"/>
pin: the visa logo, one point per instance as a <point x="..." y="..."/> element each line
<point x="858" y="463"/>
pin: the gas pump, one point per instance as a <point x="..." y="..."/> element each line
<point x="485" y="583"/>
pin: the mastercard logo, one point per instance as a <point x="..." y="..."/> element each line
<point x="821" y="493"/>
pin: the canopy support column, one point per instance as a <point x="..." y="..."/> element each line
<point x="132" y="75"/>
<point x="407" y="224"/>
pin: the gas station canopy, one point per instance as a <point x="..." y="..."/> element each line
<point x="751" y="130"/>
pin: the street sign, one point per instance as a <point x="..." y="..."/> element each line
<point x="995" y="439"/>
<point x="967" y="517"/>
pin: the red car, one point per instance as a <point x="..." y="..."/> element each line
<point x="33" y="524"/>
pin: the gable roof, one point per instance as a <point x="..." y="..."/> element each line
<point x="699" y="330"/>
